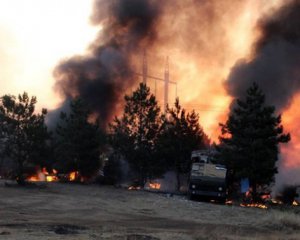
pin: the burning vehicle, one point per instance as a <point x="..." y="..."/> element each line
<point x="207" y="177"/>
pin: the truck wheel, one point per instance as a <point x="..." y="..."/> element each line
<point x="190" y="196"/>
<point x="222" y="200"/>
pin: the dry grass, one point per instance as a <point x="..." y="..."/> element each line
<point x="281" y="220"/>
<point x="88" y="212"/>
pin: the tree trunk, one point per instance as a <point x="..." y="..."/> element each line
<point x="178" y="181"/>
<point x="20" y="174"/>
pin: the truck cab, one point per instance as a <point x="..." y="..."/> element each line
<point x="207" y="177"/>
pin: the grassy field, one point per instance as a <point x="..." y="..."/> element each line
<point x="71" y="211"/>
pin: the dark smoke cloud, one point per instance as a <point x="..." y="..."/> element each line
<point x="102" y="77"/>
<point x="275" y="66"/>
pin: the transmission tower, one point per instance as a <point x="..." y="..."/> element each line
<point x="166" y="79"/>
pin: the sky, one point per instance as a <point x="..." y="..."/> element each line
<point x="34" y="36"/>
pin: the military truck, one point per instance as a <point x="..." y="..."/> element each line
<point x="207" y="178"/>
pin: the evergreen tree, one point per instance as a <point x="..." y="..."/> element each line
<point x="78" y="142"/>
<point x="181" y="133"/>
<point x="24" y="134"/>
<point x="135" y="133"/>
<point x="250" y="138"/>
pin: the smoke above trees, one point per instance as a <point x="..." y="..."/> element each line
<point x="102" y="77"/>
<point x="275" y="64"/>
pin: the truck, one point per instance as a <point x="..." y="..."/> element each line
<point x="207" y="178"/>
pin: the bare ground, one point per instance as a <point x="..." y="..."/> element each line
<point x="70" y="211"/>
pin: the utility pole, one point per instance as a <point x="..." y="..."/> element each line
<point x="167" y="81"/>
<point x="145" y="68"/>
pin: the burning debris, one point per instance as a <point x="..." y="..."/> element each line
<point x="134" y="188"/>
<point x="44" y="176"/>
<point x="287" y="197"/>
<point x="154" y="186"/>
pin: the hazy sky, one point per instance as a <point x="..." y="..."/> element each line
<point x="34" y="36"/>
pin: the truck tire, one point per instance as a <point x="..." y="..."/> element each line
<point x="190" y="196"/>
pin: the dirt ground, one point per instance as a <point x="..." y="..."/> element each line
<point x="71" y="211"/>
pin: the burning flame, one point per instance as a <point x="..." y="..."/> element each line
<point x="256" y="205"/>
<point x="295" y="203"/>
<point x="73" y="176"/>
<point x="154" y="185"/>
<point x="43" y="176"/>
<point x="134" y="188"/>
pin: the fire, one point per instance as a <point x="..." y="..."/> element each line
<point x="274" y="201"/>
<point x="290" y="118"/>
<point x="43" y="176"/>
<point x="154" y="185"/>
<point x="265" y="197"/>
<point x="295" y="203"/>
<point x="51" y="178"/>
<point x="256" y="205"/>
<point x="73" y="176"/>
<point x="134" y="188"/>
<point x="33" y="179"/>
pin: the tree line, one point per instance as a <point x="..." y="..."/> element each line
<point x="150" y="141"/>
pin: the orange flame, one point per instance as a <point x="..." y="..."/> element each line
<point x="154" y="185"/>
<point x="73" y="176"/>
<point x="43" y="176"/>
<point x="134" y="188"/>
<point x="256" y="205"/>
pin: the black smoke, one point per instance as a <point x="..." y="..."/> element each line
<point x="276" y="63"/>
<point x="102" y="77"/>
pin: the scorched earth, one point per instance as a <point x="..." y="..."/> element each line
<point x="71" y="211"/>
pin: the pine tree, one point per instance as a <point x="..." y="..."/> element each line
<point x="24" y="134"/>
<point x="78" y="142"/>
<point x="181" y="133"/>
<point x="250" y="139"/>
<point x="135" y="133"/>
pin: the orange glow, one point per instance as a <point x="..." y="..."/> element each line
<point x="73" y="176"/>
<point x="295" y="203"/>
<point x="52" y="178"/>
<point x="202" y="43"/>
<point x="43" y="176"/>
<point x="134" y="188"/>
<point x="290" y="121"/>
<point x="154" y="185"/>
<point x="255" y="205"/>
<point x="33" y="179"/>
<point x="265" y="197"/>
<point x="35" y="35"/>
<point x="201" y="55"/>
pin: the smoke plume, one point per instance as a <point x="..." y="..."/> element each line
<point x="276" y="60"/>
<point x="275" y="67"/>
<point x="102" y="77"/>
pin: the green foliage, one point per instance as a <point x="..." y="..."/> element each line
<point x="23" y="133"/>
<point x="135" y="133"/>
<point x="180" y="134"/>
<point x="78" y="142"/>
<point x="250" y="138"/>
